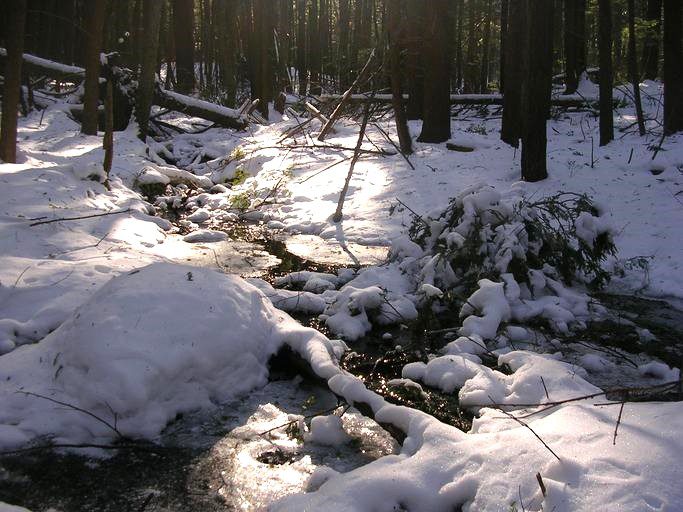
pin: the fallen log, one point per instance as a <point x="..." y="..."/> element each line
<point x="194" y="107"/>
<point x="218" y="114"/>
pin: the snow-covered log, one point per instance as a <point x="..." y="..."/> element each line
<point x="218" y="114"/>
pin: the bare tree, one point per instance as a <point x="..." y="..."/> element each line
<point x="149" y="40"/>
<point x="633" y="66"/>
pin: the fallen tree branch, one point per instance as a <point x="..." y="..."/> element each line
<point x="64" y="219"/>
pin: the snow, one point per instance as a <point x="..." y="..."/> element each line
<point x="327" y="430"/>
<point x="97" y="313"/>
<point x="4" y="507"/>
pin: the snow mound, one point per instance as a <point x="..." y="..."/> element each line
<point x="327" y="430"/>
<point x="148" y="345"/>
<point x="205" y="236"/>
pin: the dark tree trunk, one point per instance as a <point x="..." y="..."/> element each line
<point x="93" y="26"/>
<point x="263" y="37"/>
<point x="436" y="126"/>
<point x="574" y="42"/>
<point x="314" y="48"/>
<point x="537" y="88"/>
<point x="673" y="67"/>
<point x="471" y="64"/>
<point x="459" y="64"/>
<point x="148" y="65"/>
<point x="15" y="24"/>
<point x="301" y="45"/>
<point x="183" y="30"/>
<point x="396" y="31"/>
<point x="606" y="78"/>
<point x="484" y="75"/>
<point x="503" y="43"/>
<point x="516" y="40"/>
<point x="343" y="50"/>
<point x="227" y="48"/>
<point x="414" y="61"/>
<point x="634" y="77"/>
<point x="651" y="39"/>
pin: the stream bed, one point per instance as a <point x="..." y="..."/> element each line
<point x="244" y="454"/>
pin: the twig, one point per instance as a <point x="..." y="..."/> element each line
<point x="539" y="479"/>
<point x="521" y="502"/>
<point x="391" y="141"/>
<point x="616" y="428"/>
<point x="417" y="216"/>
<point x="133" y="446"/>
<point x="76" y="408"/>
<point x="308" y="416"/>
<point x="346" y="158"/>
<point x="545" y="388"/>
<point x="511" y="416"/>
<point x="62" y="219"/>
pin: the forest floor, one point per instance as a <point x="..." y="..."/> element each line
<point x="117" y="331"/>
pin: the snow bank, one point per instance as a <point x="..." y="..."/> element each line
<point x="148" y="345"/>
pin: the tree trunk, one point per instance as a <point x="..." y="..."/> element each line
<point x="484" y="75"/>
<point x="314" y="48"/>
<point x="227" y="49"/>
<point x="537" y="88"/>
<point x="14" y="30"/>
<point x="673" y="67"/>
<point x="263" y="37"/>
<point x="651" y="39"/>
<point x="183" y="30"/>
<point x="343" y="38"/>
<point x="413" y="44"/>
<point x="146" y="82"/>
<point x="396" y="30"/>
<point x="301" y="45"/>
<point x="436" y="126"/>
<point x="471" y="64"/>
<point x="606" y="77"/>
<point x="634" y="77"/>
<point x="503" y="43"/>
<point x="515" y="48"/>
<point x="93" y="26"/>
<point x="574" y="42"/>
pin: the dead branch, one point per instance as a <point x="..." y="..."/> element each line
<point x="512" y="416"/>
<point x="64" y="219"/>
<point x="337" y="217"/>
<point x="345" y="97"/>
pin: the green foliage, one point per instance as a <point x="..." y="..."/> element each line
<point x="240" y="177"/>
<point x="529" y="236"/>
<point x="240" y="201"/>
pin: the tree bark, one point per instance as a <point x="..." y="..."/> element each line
<point x="606" y="77"/>
<point x="183" y="30"/>
<point x="536" y="90"/>
<point x="503" y="43"/>
<point x="436" y="126"/>
<point x="146" y="81"/>
<point x="314" y="48"/>
<point x="413" y="44"/>
<point x="14" y="30"/>
<point x="93" y="26"/>
<point x="673" y="67"/>
<point x="301" y="46"/>
<point x="634" y="77"/>
<point x="574" y="42"/>
<point x="651" y="39"/>
<point x="486" y="41"/>
<point x="263" y="37"/>
<point x="515" y="48"/>
<point x="396" y="29"/>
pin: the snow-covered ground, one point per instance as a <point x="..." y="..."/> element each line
<point x="106" y="335"/>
